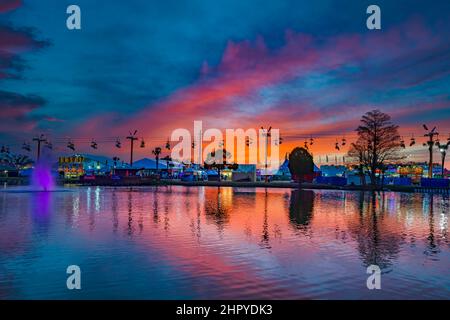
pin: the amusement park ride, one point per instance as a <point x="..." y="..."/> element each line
<point x="432" y="140"/>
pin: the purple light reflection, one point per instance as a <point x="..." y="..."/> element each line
<point x="41" y="204"/>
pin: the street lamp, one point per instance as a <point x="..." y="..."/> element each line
<point x="267" y="134"/>
<point x="132" y="138"/>
<point x="115" y="159"/>
<point x="430" y="134"/>
<point x="39" y="140"/>
<point x="443" y="150"/>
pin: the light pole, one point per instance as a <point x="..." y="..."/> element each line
<point x="430" y="134"/>
<point x="132" y="138"/>
<point x="39" y="140"/>
<point x="115" y="159"/>
<point x="267" y="134"/>
<point x="443" y="150"/>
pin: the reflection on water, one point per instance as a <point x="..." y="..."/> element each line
<point x="301" y="208"/>
<point x="41" y="203"/>
<point x="186" y="242"/>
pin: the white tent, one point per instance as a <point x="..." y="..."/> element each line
<point x="149" y="164"/>
<point x="172" y="164"/>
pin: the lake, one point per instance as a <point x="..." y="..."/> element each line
<point x="175" y="242"/>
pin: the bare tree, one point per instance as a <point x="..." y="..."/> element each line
<point x="17" y="161"/>
<point x="378" y="143"/>
<point x="357" y="151"/>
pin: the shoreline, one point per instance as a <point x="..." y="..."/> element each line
<point x="234" y="184"/>
<point x="263" y="184"/>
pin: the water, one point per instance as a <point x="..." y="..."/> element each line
<point x="215" y="243"/>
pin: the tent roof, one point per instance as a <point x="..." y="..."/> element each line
<point x="147" y="163"/>
<point x="98" y="158"/>
<point x="285" y="164"/>
<point x="284" y="167"/>
<point x="172" y="164"/>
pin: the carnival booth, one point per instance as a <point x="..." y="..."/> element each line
<point x="244" y="172"/>
<point x="191" y="175"/>
<point x="212" y="175"/>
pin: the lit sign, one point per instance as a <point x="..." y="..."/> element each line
<point x="74" y="159"/>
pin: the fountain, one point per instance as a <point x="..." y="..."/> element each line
<point x="42" y="179"/>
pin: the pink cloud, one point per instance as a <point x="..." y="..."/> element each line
<point x="8" y="5"/>
<point x="248" y="66"/>
<point x="17" y="41"/>
<point x="15" y="110"/>
<point x="13" y="43"/>
<point x="15" y="118"/>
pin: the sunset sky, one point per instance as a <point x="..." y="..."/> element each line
<point x="309" y="68"/>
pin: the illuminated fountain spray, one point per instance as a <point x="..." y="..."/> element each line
<point x="42" y="179"/>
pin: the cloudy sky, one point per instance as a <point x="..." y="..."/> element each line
<point x="309" y="68"/>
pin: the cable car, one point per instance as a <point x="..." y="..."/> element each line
<point x="336" y="146"/>
<point x="412" y="142"/>
<point x="142" y="143"/>
<point x="118" y="144"/>
<point x="402" y="143"/>
<point x="71" y="145"/>
<point x="344" y="141"/>
<point x="49" y="145"/>
<point x="168" y="144"/>
<point x="94" y="144"/>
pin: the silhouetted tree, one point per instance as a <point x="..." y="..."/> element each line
<point x="219" y="160"/>
<point x="300" y="163"/>
<point x="17" y="161"/>
<point x="157" y="152"/>
<point x="301" y="204"/>
<point x="377" y="243"/>
<point x="378" y="142"/>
